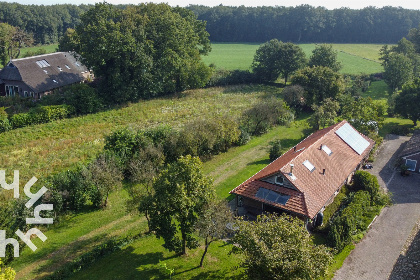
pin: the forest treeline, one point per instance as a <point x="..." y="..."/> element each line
<point x="303" y="24"/>
<point x="242" y="24"/>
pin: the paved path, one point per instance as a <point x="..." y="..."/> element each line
<point x="374" y="257"/>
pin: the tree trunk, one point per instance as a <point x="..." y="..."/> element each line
<point x="147" y="218"/>
<point x="205" y="252"/>
<point x="285" y="80"/>
<point x="183" y="252"/>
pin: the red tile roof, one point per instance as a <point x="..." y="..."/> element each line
<point x="314" y="189"/>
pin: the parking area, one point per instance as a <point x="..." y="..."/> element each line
<point x="391" y="235"/>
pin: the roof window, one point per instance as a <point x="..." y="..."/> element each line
<point x="309" y="165"/>
<point x="43" y="63"/>
<point x="68" y="67"/>
<point x="45" y="71"/>
<point x="55" y="81"/>
<point x="59" y="68"/>
<point x="326" y="149"/>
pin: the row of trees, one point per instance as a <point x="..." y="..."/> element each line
<point x="241" y="24"/>
<point x="306" y="23"/>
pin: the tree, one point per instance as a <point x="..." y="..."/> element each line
<point x="325" y="55"/>
<point x="12" y="39"/>
<point x="105" y="175"/>
<point x="180" y="193"/>
<point x="398" y="70"/>
<point x="414" y="36"/>
<point x="364" y="114"/>
<point x="213" y="224"/>
<point x="275" y="150"/>
<point x="406" y="103"/>
<point x="319" y="83"/>
<point x="279" y="247"/>
<point x="69" y="41"/>
<point x="324" y="114"/>
<point x="141" y="51"/>
<point x="294" y="96"/>
<point x="275" y="58"/>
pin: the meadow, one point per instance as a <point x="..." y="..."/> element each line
<point x="355" y="58"/>
<point x="46" y="149"/>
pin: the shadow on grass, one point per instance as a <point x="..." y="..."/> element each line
<point x="216" y="274"/>
<point x="396" y="128"/>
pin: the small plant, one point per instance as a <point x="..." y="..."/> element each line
<point x="275" y="150"/>
<point x="166" y="270"/>
<point x="404" y="170"/>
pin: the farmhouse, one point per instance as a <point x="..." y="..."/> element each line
<point x="411" y="152"/>
<point x="38" y="75"/>
<point x="304" y="180"/>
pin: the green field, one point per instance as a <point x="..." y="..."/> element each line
<point x="356" y="58"/>
<point x="49" y="48"/>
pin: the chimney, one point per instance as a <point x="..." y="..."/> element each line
<point x="320" y="147"/>
<point x="294" y="148"/>
<point x="291" y="169"/>
<point x="323" y="171"/>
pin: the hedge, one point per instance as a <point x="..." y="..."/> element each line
<point x="42" y="114"/>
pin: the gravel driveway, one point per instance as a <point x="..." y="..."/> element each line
<point x="390" y="236"/>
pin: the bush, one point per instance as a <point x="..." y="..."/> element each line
<point x="4" y="121"/>
<point x="83" y="98"/>
<point x="21" y="120"/>
<point x="42" y="114"/>
<point x="363" y="180"/>
<point x="294" y="96"/>
<point x="223" y="77"/>
<point x="263" y="115"/>
<point x="274" y="150"/>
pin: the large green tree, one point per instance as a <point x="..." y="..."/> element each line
<point x="398" y="70"/>
<point x="407" y="102"/>
<point x="141" y="51"/>
<point x="325" y="55"/>
<point x="324" y="114"/>
<point x="280" y="248"/>
<point x="12" y="39"/>
<point x="319" y="83"/>
<point x="180" y="194"/>
<point x="275" y="58"/>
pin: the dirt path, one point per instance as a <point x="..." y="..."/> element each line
<point x="374" y="257"/>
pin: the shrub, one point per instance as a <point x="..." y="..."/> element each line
<point x="223" y="77"/>
<point x="365" y="181"/>
<point x="83" y="98"/>
<point x="294" y="96"/>
<point x="21" y="120"/>
<point x="42" y="114"/>
<point x="4" y="121"/>
<point x="274" y="150"/>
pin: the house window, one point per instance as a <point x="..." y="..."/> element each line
<point x="45" y="71"/>
<point x="32" y="94"/>
<point x="411" y="164"/>
<point x="25" y="93"/>
<point x="42" y="63"/>
<point x="11" y="90"/>
<point x="59" y="68"/>
<point x="68" y="67"/>
<point x="279" y="180"/>
<point x="55" y="81"/>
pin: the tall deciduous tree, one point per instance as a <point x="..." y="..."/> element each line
<point x="180" y="194"/>
<point x="319" y="83"/>
<point x="142" y="51"/>
<point x="407" y="102"/>
<point x="280" y="248"/>
<point x="398" y="70"/>
<point x="325" y="55"/>
<point x="12" y="39"/>
<point x="213" y="224"/>
<point x="324" y="114"/>
<point x="275" y="58"/>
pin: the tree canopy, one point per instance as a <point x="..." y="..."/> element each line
<point x="275" y="58"/>
<point x="142" y="51"/>
<point x="279" y="248"/>
<point x="319" y="83"/>
<point x="180" y="194"/>
<point x="407" y="102"/>
<point x="325" y="55"/>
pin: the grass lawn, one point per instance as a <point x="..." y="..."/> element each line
<point x="49" y="48"/>
<point x="356" y="58"/>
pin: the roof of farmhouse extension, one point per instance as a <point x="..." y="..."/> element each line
<point x="321" y="164"/>
<point x="45" y="72"/>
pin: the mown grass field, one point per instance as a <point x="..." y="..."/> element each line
<point x="356" y="58"/>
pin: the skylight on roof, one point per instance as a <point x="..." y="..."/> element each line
<point x="356" y="141"/>
<point x="326" y="149"/>
<point x="42" y="63"/>
<point x="309" y="165"/>
<point x="45" y="71"/>
<point x="77" y="64"/>
<point x="55" y="81"/>
<point x="272" y="196"/>
<point x="68" y="67"/>
<point x="59" y="68"/>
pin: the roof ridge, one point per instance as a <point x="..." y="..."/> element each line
<point x="36" y="56"/>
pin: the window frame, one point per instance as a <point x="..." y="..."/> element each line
<point x="415" y="164"/>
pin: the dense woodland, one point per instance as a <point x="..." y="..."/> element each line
<point x="242" y="24"/>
